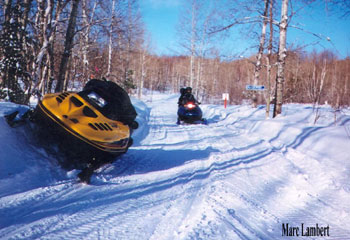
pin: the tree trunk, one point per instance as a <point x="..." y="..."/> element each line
<point x="110" y="48"/>
<point x="87" y="22"/>
<point x="198" y="78"/>
<point x="269" y="66"/>
<point x="143" y="72"/>
<point x="193" y="45"/>
<point x="13" y="67"/>
<point x="282" y="53"/>
<point x="67" y="46"/>
<point x="191" y="70"/>
<point x="319" y="89"/>
<point x="25" y="51"/>
<point x="6" y="82"/>
<point x="50" y="50"/>
<point x="45" y="20"/>
<point x="261" y="51"/>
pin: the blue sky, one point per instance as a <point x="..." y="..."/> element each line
<point x="161" y="18"/>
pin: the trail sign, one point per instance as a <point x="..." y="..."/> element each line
<point x="225" y="97"/>
<point x="255" y="87"/>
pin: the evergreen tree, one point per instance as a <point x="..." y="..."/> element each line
<point x="129" y="81"/>
<point x="12" y="63"/>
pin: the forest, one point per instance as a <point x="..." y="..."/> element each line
<point x="58" y="45"/>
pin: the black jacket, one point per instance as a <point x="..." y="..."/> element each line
<point x="187" y="97"/>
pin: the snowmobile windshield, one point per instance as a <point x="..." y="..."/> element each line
<point x="97" y="99"/>
<point x="101" y="102"/>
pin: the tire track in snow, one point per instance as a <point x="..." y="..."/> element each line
<point x="230" y="157"/>
<point x="251" y="231"/>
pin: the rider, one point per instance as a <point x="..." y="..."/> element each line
<point x="181" y="98"/>
<point x="187" y="96"/>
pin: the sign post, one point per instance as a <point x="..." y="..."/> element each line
<point x="225" y="97"/>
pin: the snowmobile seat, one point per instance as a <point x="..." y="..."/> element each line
<point x="110" y="99"/>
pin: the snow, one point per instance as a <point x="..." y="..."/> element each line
<point x="239" y="177"/>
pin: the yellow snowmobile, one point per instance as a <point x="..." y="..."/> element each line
<point x="78" y="116"/>
<point x="90" y="128"/>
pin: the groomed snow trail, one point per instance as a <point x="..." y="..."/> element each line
<point x="239" y="177"/>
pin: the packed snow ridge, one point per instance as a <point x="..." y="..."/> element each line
<point x="241" y="176"/>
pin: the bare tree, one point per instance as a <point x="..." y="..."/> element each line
<point x="343" y="6"/>
<point x="48" y="17"/>
<point x="319" y="91"/>
<point x="143" y="60"/>
<point x="258" y="64"/>
<point x="187" y="32"/>
<point x="67" y="46"/>
<point x="193" y="28"/>
<point x="44" y="20"/>
<point x="131" y="33"/>
<point x="268" y="62"/>
<point x="88" y="22"/>
<point x="110" y="43"/>
<point x="281" y="59"/>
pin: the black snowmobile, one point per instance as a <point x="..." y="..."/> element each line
<point x="90" y="128"/>
<point x="188" y="109"/>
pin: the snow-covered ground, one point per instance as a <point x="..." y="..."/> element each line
<point x="239" y="177"/>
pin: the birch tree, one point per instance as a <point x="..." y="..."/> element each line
<point x="88" y="22"/>
<point x="194" y="10"/>
<point x="193" y="32"/>
<point x="144" y="58"/>
<point x="130" y="33"/>
<point x="47" y="20"/>
<point x="319" y="90"/>
<point x="188" y="35"/>
<point x="110" y="43"/>
<point x="282" y="53"/>
<point x="258" y="64"/>
<point x="268" y="61"/>
<point x="43" y="22"/>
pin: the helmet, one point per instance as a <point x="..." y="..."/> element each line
<point x="182" y="91"/>
<point x="188" y="90"/>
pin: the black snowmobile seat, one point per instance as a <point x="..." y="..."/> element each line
<point x="115" y="104"/>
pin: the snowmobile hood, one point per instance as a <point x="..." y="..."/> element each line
<point x="80" y="118"/>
